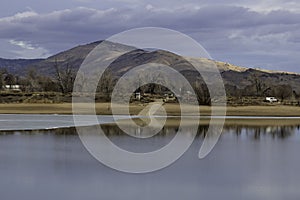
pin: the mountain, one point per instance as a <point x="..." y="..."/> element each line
<point x="72" y="58"/>
<point x="238" y="80"/>
<point x="15" y="66"/>
<point x="75" y="56"/>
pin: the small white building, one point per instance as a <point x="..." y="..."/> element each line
<point x="138" y="96"/>
<point x="12" y="87"/>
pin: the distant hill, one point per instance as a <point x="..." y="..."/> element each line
<point x="16" y="66"/>
<point x="239" y="81"/>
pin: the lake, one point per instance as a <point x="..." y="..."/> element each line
<point x="248" y="162"/>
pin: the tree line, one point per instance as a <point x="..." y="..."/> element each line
<point x="63" y="80"/>
<point x="30" y="82"/>
<point x="263" y="88"/>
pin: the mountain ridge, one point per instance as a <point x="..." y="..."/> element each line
<point x="238" y="80"/>
<point x="81" y="51"/>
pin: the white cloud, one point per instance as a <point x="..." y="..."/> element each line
<point x="27" y="50"/>
<point x="266" y="6"/>
<point x="84" y="1"/>
<point x="22" y="44"/>
<point x="19" y="16"/>
<point x="149" y="7"/>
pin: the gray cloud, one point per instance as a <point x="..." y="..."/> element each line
<point x="247" y="35"/>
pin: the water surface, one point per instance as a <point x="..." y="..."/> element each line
<point x="247" y="163"/>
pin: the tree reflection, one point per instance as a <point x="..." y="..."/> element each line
<point x="57" y="132"/>
<point x="256" y="132"/>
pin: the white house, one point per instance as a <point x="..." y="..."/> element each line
<point x="12" y="87"/>
<point x="138" y="96"/>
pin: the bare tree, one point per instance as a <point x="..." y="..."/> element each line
<point x="283" y="91"/>
<point x="10" y="79"/>
<point x="65" y="78"/>
<point x="202" y="93"/>
<point x="106" y="84"/>
<point x="260" y="86"/>
<point x="32" y="80"/>
<point x="1" y="78"/>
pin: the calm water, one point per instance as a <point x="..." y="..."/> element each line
<point x="247" y="163"/>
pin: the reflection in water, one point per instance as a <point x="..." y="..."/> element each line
<point x="111" y="130"/>
<point x="256" y="132"/>
<point x="249" y="162"/>
<point x="55" y="132"/>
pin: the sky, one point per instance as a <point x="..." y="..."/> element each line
<point x="258" y="33"/>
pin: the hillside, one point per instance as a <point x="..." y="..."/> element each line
<point x="239" y="81"/>
<point x="14" y="66"/>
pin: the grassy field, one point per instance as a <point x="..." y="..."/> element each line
<point x="171" y="109"/>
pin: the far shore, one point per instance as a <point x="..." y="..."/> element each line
<point x="171" y="109"/>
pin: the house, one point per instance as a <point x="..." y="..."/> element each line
<point x="12" y="87"/>
<point x="137" y="96"/>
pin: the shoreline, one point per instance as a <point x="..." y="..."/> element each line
<point x="171" y="109"/>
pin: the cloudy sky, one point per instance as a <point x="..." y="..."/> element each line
<point x="256" y="33"/>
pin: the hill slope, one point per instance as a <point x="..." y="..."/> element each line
<point x="238" y="80"/>
<point x="14" y="66"/>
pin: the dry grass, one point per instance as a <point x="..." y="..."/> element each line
<point x="171" y="109"/>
